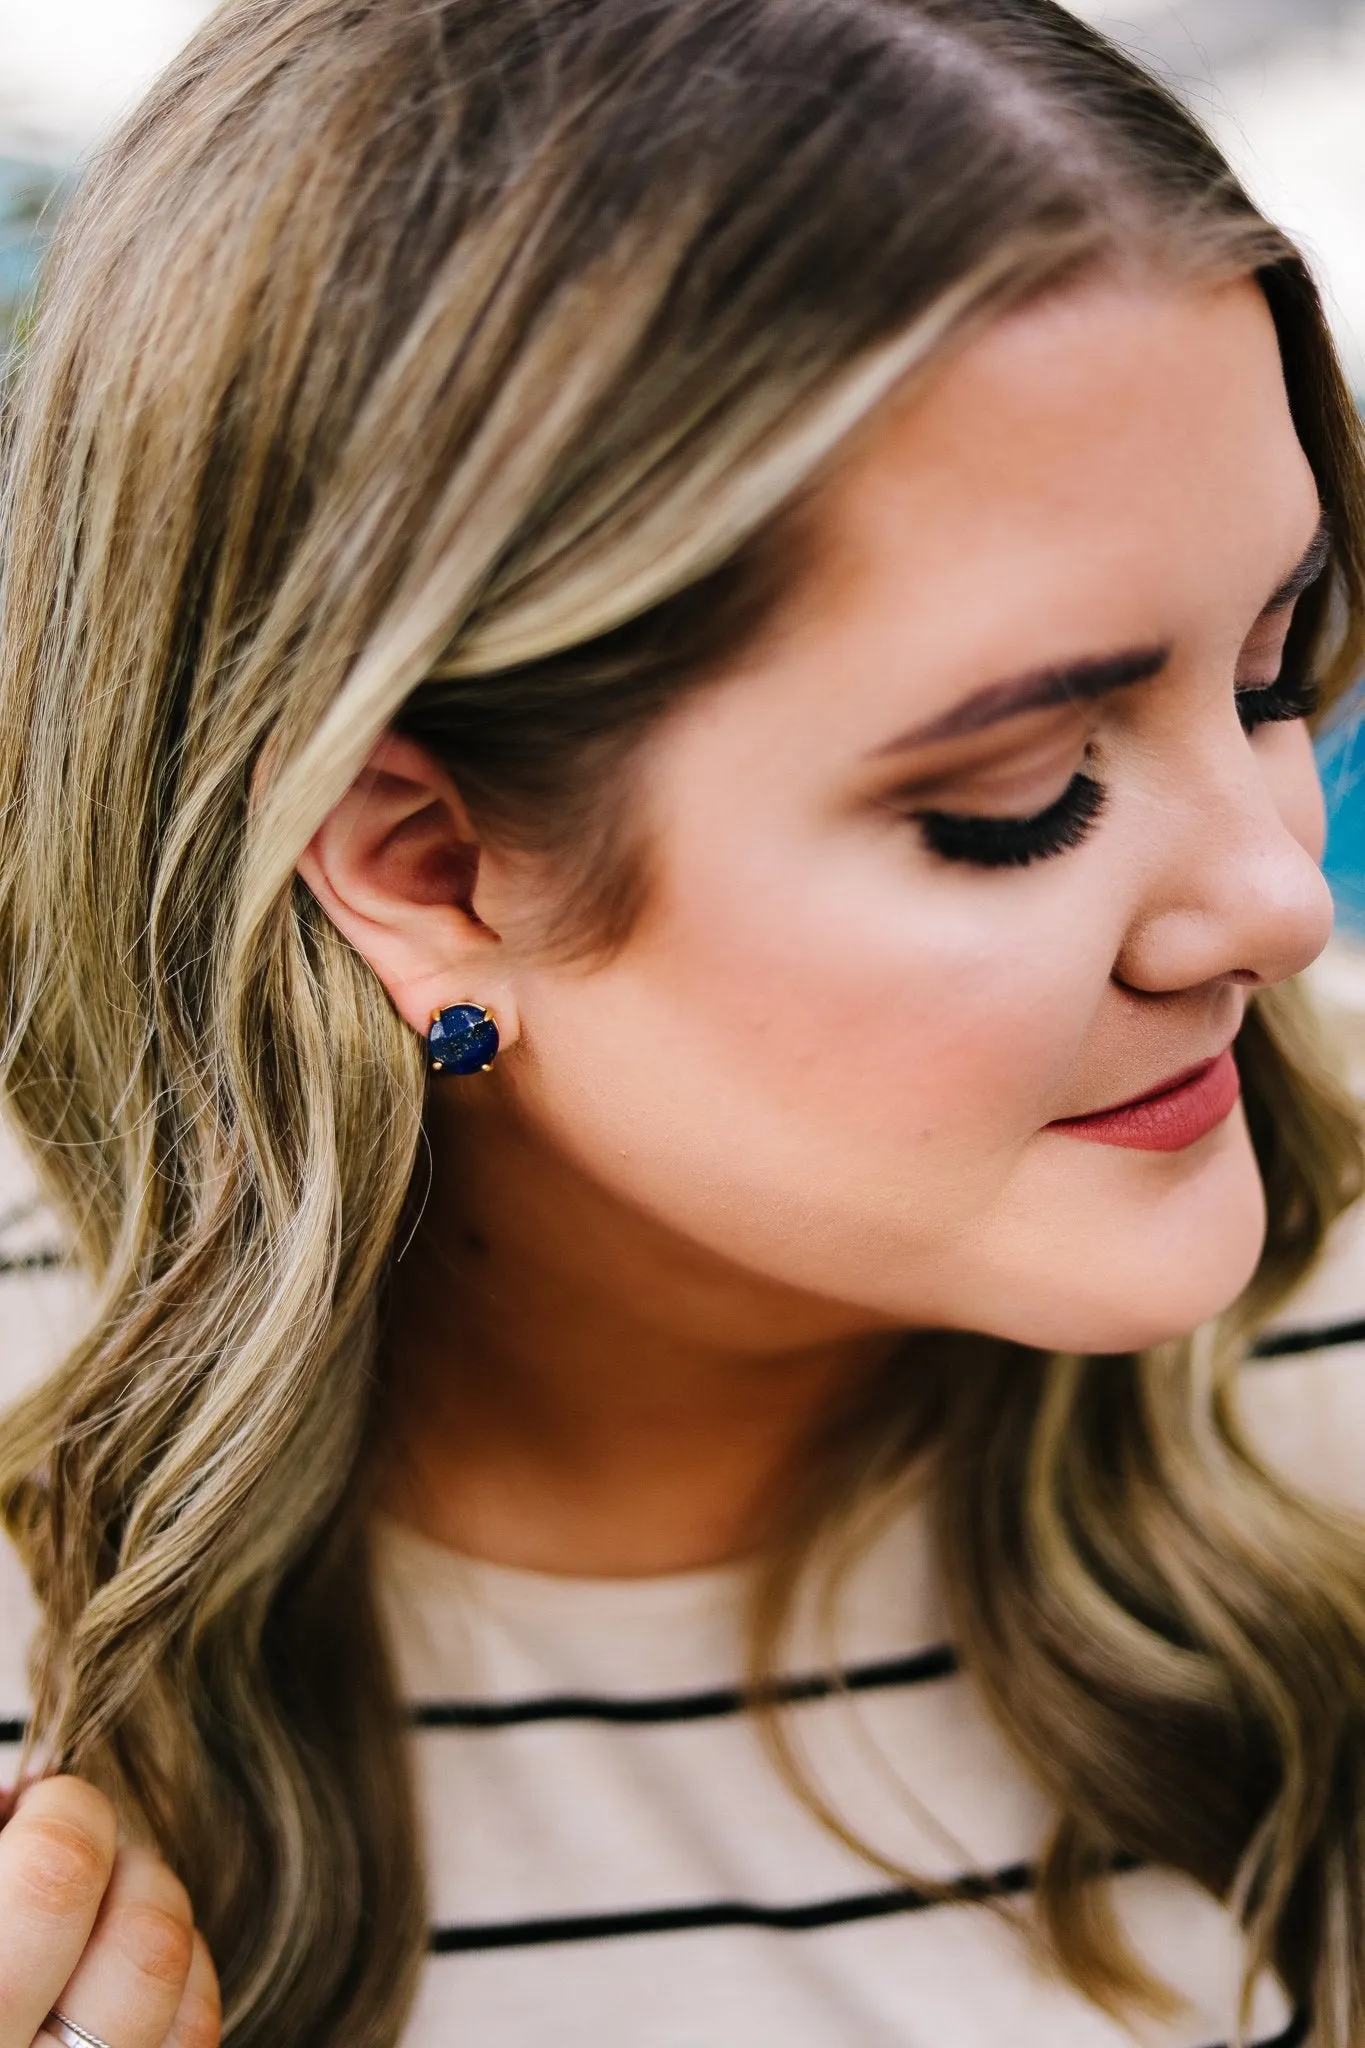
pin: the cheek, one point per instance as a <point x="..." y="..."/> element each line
<point x="901" y="1007"/>
<point x="1098" y="1249"/>
<point x="843" y="1050"/>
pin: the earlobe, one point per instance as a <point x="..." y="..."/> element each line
<point x="395" y="865"/>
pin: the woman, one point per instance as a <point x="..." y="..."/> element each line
<point x="657" y="828"/>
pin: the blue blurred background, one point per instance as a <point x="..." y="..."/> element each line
<point x="1281" y="82"/>
<point x="1342" y="758"/>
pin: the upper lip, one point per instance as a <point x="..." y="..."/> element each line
<point x="1166" y="1087"/>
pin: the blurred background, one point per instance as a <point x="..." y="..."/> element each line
<point x="1281" y="83"/>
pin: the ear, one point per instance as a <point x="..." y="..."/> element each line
<point x="395" y="865"/>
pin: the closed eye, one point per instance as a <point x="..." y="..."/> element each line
<point x="988" y="842"/>
<point x="1287" y="698"/>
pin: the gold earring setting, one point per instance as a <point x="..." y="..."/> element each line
<point x="463" y="1039"/>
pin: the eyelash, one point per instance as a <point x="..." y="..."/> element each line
<point x="1018" y="842"/>
<point x="1288" y="697"/>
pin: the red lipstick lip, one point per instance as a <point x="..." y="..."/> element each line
<point x="1167" y="1118"/>
<point x="1180" y="1080"/>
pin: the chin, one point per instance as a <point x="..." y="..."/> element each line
<point x="1156" y="1271"/>
<point x="1116" y="1325"/>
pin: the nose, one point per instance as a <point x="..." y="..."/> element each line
<point x="1236" y="891"/>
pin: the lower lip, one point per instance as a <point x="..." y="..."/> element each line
<point x="1170" y="1122"/>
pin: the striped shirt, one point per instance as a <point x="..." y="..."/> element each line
<point x="615" y="1861"/>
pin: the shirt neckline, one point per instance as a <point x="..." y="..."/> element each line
<point x="428" y="1566"/>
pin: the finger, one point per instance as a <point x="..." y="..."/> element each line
<point x="199" y="2022"/>
<point x="127" y="1987"/>
<point x="56" y="1856"/>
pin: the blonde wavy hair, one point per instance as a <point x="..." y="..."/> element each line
<point x="460" y="364"/>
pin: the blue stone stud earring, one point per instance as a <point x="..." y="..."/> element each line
<point x="462" y="1040"/>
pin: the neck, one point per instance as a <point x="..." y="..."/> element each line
<point x="573" y="1389"/>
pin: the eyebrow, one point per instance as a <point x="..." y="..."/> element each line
<point x="1039" y="689"/>
<point x="1315" y="559"/>
<point x="1080" y="682"/>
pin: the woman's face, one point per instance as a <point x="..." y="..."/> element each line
<point x="846" y="1046"/>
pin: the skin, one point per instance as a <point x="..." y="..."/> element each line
<point x="101" y="1931"/>
<point x="806" y="1106"/>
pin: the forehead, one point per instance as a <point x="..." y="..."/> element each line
<point x="1114" y="443"/>
<point x="1112" y="470"/>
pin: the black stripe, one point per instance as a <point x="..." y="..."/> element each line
<point x="917" y="1669"/>
<point x="30" y="1262"/>
<point x="971" y="1889"/>
<point x="1294" y="2035"/>
<point x="1288" y="1343"/>
<point x="1014" y="1879"/>
<point x="878" y="1905"/>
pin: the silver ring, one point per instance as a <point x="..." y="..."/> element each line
<point x="69" y="2034"/>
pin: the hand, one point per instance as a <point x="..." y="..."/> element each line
<point x="104" y="1934"/>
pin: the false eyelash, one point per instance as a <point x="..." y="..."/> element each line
<point x="1016" y="842"/>
<point x="1285" y="699"/>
